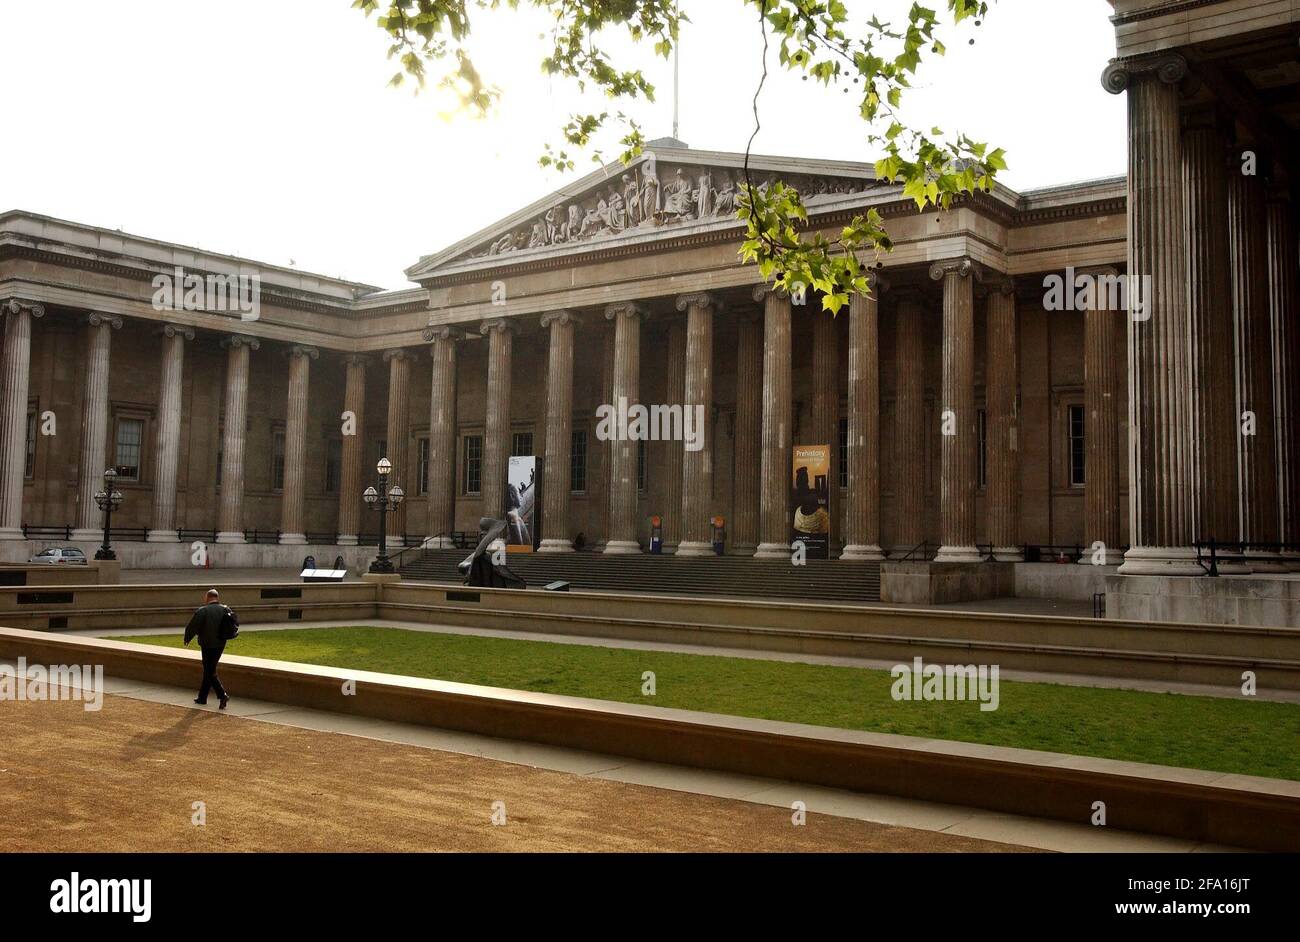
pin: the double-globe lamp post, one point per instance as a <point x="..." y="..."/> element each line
<point x="382" y="499"/>
<point x="108" y="500"/>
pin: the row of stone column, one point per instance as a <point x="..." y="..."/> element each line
<point x="1213" y="353"/>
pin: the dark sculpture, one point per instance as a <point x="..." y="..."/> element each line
<point x="478" y="568"/>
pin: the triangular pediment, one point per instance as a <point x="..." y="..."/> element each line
<point x="665" y="191"/>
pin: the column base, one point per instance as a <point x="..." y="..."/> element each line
<point x="958" y="554"/>
<point x="230" y="536"/>
<point x="293" y="539"/>
<point x="555" y="546"/>
<point x="1269" y="562"/>
<point x="162" y="536"/>
<point x="87" y="535"/>
<point x="773" y="551"/>
<point x="862" y="552"/>
<point x="1292" y="560"/>
<point x="11" y="533"/>
<point x="347" y="539"/>
<point x="1109" y="557"/>
<point x="694" y="548"/>
<point x="1161" y="561"/>
<point x="1008" y="554"/>
<point x="742" y="549"/>
<point x="622" y="548"/>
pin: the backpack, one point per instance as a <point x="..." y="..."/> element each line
<point x="229" y="624"/>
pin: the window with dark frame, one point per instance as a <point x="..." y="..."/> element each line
<point x="29" y="465"/>
<point x="472" y="465"/>
<point x="1077" y="470"/>
<point x="844" y="452"/>
<point x="128" y="445"/>
<point x="521" y="445"/>
<point x="578" y="461"/>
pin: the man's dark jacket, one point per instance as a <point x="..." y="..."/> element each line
<point x="206" y="625"/>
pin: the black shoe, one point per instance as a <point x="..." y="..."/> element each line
<point x="224" y="701"/>
<point x="201" y="702"/>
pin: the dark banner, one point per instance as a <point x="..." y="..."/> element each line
<point x="810" y="500"/>
<point x="523" y="504"/>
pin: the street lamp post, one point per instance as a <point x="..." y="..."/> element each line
<point x="108" y="500"/>
<point x="382" y="499"/>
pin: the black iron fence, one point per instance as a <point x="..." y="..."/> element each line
<point x="1213" y="555"/>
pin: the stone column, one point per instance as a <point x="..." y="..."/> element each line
<point x="234" y="435"/>
<point x="778" y="430"/>
<point x="293" y="496"/>
<point x="958" y="422"/>
<point x="94" y="423"/>
<point x="674" y="450"/>
<point x="442" y="437"/>
<point x="496" y="434"/>
<point x="697" y="466"/>
<point x="1102" y="324"/>
<point x="826" y="411"/>
<point x="1257" y="438"/>
<point x="862" y="536"/>
<point x="749" y="432"/>
<point x="13" y="411"/>
<point x="1284" y="302"/>
<point x="627" y="379"/>
<point x="909" y="422"/>
<point x="399" y="433"/>
<point x="1161" y="513"/>
<point x="559" y="433"/>
<point x="1210" y="321"/>
<point x="351" y="480"/>
<point x="167" y="440"/>
<point x="1002" y="428"/>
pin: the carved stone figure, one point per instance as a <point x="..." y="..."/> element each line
<point x="538" y="237"/>
<point x="631" y="200"/>
<point x="677" y="197"/>
<point x="617" y="211"/>
<point x="649" y="189"/>
<point x="704" y="195"/>
<point x="554" y="226"/>
<point x="573" y="227"/>
<point x="725" y="197"/>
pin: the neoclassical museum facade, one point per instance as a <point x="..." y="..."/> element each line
<point x="967" y="413"/>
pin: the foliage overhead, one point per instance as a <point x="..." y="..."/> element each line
<point x="875" y="60"/>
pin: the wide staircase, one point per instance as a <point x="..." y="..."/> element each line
<point x="819" y="580"/>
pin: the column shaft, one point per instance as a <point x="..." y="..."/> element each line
<point x="399" y="434"/>
<point x="293" y="496"/>
<point x="862" y="535"/>
<point x="13" y="412"/>
<point x="623" y="451"/>
<point x="749" y="432"/>
<point x="168" y="432"/>
<point x="697" y="465"/>
<point x="559" y="434"/>
<point x="230" y="520"/>
<point x="776" y="471"/>
<point x="94" y="424"/>
<point x="958" y="421"/>
<point x="1101" y="353"/>
<point x="496" y="433"/>
<point x="1002" y="432"/>
<point x="352" y="451"/>
<point x="442" y="438"/>
<point x="909" y="424"/>
<point x="674" y="450"/>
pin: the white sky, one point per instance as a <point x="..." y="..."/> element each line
<point x="264" y="128"/>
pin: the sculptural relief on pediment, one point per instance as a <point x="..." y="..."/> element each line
<point x="651" y="195"/>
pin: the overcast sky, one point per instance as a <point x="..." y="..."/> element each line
<point x="264" y="128"/>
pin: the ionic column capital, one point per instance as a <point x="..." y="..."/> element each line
<point x="761" y="292"/>
<point x="102" y="319"/>
<point x="998" y="283"/>
<point x="433" y="334"/>
<point x="399" y="353"/>
<point x="234" y="341"/>
<point x="625" y="309"/>
<point x="962" y="266"/>
<point x="175" y="330"/>
<point x="562" y="317"/>
<point x="1168" y="67"/>
<point x="501" y="324"/>
<point x="697" y="299"/>
<point x="356" y="359"/>
<point x="18" y="306"/>
<point x="877" y="283"/>
<point x="302" y="350"/>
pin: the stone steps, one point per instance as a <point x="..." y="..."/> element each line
<point x="819" y="580"/>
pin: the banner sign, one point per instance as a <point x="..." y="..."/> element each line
<point x="522" y="504"/>
<point x="810" y="498"/>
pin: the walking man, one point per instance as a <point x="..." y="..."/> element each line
<point x="209" y="624"/>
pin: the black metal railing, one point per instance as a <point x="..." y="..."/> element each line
<point x="186" y="535"/>
<point x="261" y="536"/>
<point x="1210" y="554"/>
<point x="40" y="531"/>
<point x="322" y="538"/>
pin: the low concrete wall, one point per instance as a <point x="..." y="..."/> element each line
<point x="1271" y="601"/>
<point x="1238" y="810"/>
<point x="98" y="572"/>
<point x="1060" y="580"/>
<point x="923" y="583"/>
<point x="269" y="556"/>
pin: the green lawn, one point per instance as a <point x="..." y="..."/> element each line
<point x="1229" y="735"/>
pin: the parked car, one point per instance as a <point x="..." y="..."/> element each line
<point x="60" y="556"/>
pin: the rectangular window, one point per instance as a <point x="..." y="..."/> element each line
<point x="29" y="466"/>
<point x="578" y="461"/>
<point x="129" y="444"/>
<point x="333" y="465"/>
<point x="982" y="455"/>
<point x="277" y="461"/>
<point x="521" y="445"/>
<point x="640" y="464"/>
<point x="844" y="452"/>
<point x="422" y="468"/>
<point x="1076" y="446"/>
<point x="472" y="465"/>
